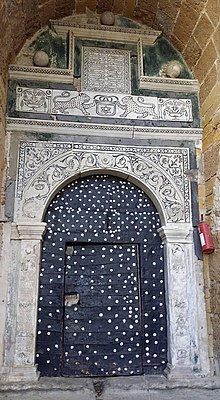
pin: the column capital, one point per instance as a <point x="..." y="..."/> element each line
<point x="176" y="233"/>
<point x="27" y="231"/>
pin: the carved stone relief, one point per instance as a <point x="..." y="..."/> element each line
<point x="179" y="292"/>
<point x="181" y="301"/>
<point x="43" y="167"/>
<point x="52" y="101"/>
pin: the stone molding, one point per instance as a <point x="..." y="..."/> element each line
<point x="72" y="31"/>
<point x="55" y="75"/>
<point x="30" y="232"/>
<point x="102" y="32"/>
<point x="40" y="74"/>
<point x="140" y="37"/>
<point x="86" y="129"/>
<point x="19" y="374"/>
<point x="174" y="233"/>
<point x="43" y="167"/>
<point x="27" y="300"/>
<point x="169" y="84"/>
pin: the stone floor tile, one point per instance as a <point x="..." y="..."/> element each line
<point x="47" y="395"/>
<point x="184" y="394"/>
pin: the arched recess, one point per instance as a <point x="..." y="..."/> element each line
<point x="44" y="168"/>
<point x="102" y="305"/>
<point x="50" y="165"/>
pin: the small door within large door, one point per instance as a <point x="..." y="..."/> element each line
<point x="102" y="326"/>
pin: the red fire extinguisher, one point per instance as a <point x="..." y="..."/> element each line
<point x="206" y="237"/>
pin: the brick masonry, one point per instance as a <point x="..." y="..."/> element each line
<point x="193" y="27"/>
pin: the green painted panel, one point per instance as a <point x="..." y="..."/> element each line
<point x="55" y="46"/>
<point x="155" y="56"/>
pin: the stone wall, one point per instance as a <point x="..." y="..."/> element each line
<point x="211" y="147"/>
<point x="208" y="72"/>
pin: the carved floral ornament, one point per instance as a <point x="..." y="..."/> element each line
<point x="45" y="167"/>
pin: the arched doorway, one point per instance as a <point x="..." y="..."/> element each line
<point x="102" y="305"/>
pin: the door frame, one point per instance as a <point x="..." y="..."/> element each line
<point x="187" y="327"/>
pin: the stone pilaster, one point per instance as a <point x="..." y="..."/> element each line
<point x="24" y="357"/>
<point x="181" y="301"/>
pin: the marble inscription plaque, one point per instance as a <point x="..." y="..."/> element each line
<point x="106" y="70"/>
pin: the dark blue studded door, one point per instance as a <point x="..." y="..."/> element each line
<point x="102" y="325"/>
<point x="102" y="305"/>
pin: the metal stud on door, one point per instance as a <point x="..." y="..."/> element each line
<point x="110" y="218"/>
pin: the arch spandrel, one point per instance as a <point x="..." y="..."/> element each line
<point x="45" y="167"/>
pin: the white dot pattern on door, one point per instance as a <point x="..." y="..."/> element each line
<point x="111" y="227"/>
<point x="104" y="311"/>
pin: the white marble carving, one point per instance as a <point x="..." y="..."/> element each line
<point x="182" y="312"/>
<point x="106" y="70"/>
<point x="107" y="105"/>
<point x="44" y="166"/>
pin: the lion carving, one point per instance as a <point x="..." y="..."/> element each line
<point x="139" y="107"/>
<point x="61" y="105"/>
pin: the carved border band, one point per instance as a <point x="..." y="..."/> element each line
<point x="44" y="167"/>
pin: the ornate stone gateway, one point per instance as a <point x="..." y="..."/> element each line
<point x="102" y="295"/>
<point x="95" y="315"/>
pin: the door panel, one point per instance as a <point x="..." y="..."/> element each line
<point x="101" y="250"/>
<point x="105" y="278"/>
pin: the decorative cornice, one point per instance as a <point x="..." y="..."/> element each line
<point x="192" y="134"/>
<point x="57" y="75"/>
<point x="114" y="33"/>
<point x="75" y="128"/>
<point x="169" y="84"/>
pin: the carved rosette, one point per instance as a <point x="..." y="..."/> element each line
<point x="44" y="167"/>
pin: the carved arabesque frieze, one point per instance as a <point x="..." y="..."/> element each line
<point x="44" y="167"/>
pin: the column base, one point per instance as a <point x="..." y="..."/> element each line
<point x="179" y="372"/>
<point x="19" y="374"/>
